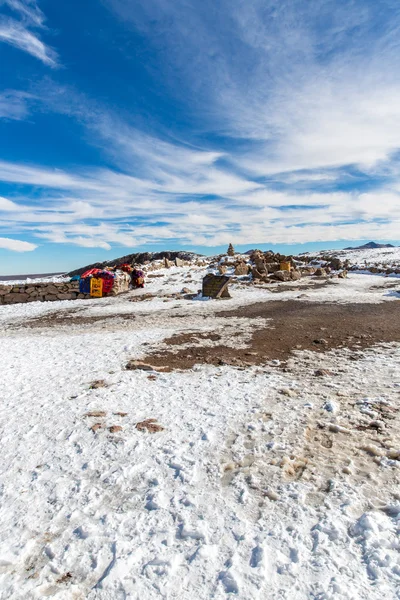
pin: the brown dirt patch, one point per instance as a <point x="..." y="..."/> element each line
<point x="62" y="318"/>
<point x="99" y="383"/>
<point x="292" y="326"/>
<point x="115" y="428"/>
<point x="96" y="427"/>
<point x="149" y="426"/>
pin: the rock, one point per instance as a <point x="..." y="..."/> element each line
<point x="282" y="275"/>
<point x="179" y="262"/>
<point x="376" y="424"/>
<point x="52" y="290"/>
<point x="99" y="383"/>
<point x="15" y="298"/>
<point x="336" y="264"/>
<point x="64" y="296"/>
<point x="393" y="454"/>
<point x="137" y="365"/>
<point x="320" y="272"/>
<point x="222" y="269"/>
<point x="342" y="275"/>
<point x="322" y="373"/>
<point x="261" y="266"/>
<point x="271" y="495"/>
<point x="255" y="273"/>
<point x="273" y="267"/>
<point x="372" y="449"/>
<point x="288" y="392"/>
<point x="241" y="269"/>
<point x="321" y="341"/>
<point x="337" y="428"/>
<point x="186" y="290"/>
<point x="115" y="428"/>
<point x="295" y="275"/>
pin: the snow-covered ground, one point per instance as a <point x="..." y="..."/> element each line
<point x="374" y="257"/>
<point x="263" y="483"/>
<point x="27" y="280"/>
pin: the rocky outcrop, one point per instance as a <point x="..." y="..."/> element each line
<point x="140" y="258"/>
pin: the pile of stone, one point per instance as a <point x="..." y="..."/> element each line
<point x="40" y="292"/>
<point x="267" y="267"/>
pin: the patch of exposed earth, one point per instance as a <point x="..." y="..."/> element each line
<point x="289" y="326"/>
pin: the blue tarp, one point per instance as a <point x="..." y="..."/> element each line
<point x="84" y="286"/>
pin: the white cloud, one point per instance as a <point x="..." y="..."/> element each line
<point x="8" y="206"/>
<point x="308" y="89"/>
<point x="28" y="9"/>
<point x="14" y="104"/>
<point x="16" y="245"/>
<point x="311" y="85"/>
<point x="105" y="208"/>
<point x="16" y="34"/>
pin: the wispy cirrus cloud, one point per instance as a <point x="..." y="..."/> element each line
<point x="104" y="208"/>
<point x="308" y="85"/>
<point x="14" y="105"/>
<point x="290" y="97"/>
<point x="28" y="9"/>
<point x="16" y="34"/>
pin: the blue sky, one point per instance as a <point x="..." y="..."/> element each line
<point x="156" y="124"/>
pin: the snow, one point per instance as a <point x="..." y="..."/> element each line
<point x="373" y="257"/>
<point x="236" y="497"/>
<point x="27" y="280"/>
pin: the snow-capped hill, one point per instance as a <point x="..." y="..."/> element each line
<point x="382" y="259"/>
<point x="370" y="246"/>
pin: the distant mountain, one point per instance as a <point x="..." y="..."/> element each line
<point x="370" y="246"/>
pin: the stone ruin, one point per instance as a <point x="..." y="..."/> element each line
<point x="40" y="292"/>
<point x="270" y="267"/>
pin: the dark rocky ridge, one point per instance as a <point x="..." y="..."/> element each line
<point x="370" y="245"/>
<point x="137" y="258"/>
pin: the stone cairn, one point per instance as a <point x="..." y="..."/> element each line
<point x="231" y="250"/>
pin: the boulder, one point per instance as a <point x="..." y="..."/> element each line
<point x="336" y="264"/>
<point x="320" y="272"/>
<point x="282" y="275"/>
<point x="295" y="275"/>
<point x="52" y="290"/>
<point x="15" y="298"/>
<point x="241" y="269"/>
<point x="342" y="274"/>
<point x="256" y="274"/>
<point x="273" y="267"/>
<point x="261" y="266"/>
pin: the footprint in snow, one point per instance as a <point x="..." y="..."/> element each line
<point x="229" y="583"/>
<point x="256" y="557"/>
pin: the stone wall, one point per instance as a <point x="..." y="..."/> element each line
<point x="40" y="292"/>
